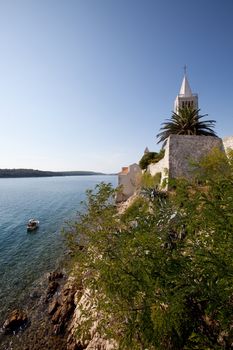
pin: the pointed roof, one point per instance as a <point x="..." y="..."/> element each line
<point x="185" y="89"/>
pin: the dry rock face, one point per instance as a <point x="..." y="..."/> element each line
<point x="91" y="340"/>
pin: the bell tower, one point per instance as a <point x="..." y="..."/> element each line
<point x="185" y="98"/>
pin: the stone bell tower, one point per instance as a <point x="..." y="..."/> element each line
<point x="185" y="98"/>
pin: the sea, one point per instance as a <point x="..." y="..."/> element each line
<point x="26" y="256"/>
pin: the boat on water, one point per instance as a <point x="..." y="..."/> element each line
<point x="32" y="224"/>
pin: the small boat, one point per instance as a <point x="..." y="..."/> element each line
<point x="32" y="224"/>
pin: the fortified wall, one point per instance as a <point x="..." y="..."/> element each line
<point x="180" y="152"/>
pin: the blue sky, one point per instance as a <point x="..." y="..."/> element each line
<point x="86" y="84"/>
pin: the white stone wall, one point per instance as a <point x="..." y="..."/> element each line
<point x="129" y="182"/>
<point x="228" y="143"/>
<point x="162" y="166"/>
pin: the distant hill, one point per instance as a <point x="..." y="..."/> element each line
<point x="4" y="173"/>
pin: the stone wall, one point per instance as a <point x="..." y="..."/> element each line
<point x="162" y="166"/>
<point x="180" y="152"/>
<point x="187" y="149"/>
<point x="228" y="143"/>
<point x="129" y="179"/>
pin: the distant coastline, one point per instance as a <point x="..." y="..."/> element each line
<point x="15" y="173"/>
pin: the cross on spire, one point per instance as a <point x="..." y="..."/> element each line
<point x="185" y="69"/>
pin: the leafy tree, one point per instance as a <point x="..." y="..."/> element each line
<point x="161" y="274"/>
<point x="186" y="122"/>
<point x="150" y="157"/>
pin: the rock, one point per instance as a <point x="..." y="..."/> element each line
<point x="52" y="288"/>
<point x="69" y="299"/>
<point x="71" y="345"/>
<point x="61" y="316"/>
<point x="62" y="309"/>
<point x="57" y="329"/>
<point x="68" y="292"/>
<point x="57" y="316"/>
<point x="55" y="275"/>
<point x="16" y="321"/>
<point x="52" y="308"/>
<point x="35" y="295"/>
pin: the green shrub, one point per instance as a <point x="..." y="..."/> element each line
<point x="149" y="181"/>
<point x="150" y="157"/>
<point x="161" y="275"/>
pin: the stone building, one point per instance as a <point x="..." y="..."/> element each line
<point x="128" y="179"/>
<point x="183" y="150"/>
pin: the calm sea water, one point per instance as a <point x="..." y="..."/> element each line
<point x="24" y="256"/>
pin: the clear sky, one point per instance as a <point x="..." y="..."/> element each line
<point x="86" y="84"/>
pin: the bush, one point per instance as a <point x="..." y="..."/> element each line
<point x="149" y="181"/>
<point x="150" y="157"/>
<point x="161" y="274"/>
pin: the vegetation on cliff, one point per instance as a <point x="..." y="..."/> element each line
<point x="150" y="157"/>
<point x="161" y="274"/>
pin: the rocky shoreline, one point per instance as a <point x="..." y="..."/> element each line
<point x="43" y="323"/>
<point x="51" y="316"/>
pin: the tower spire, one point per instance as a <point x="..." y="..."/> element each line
<point x="185" y="98"/>
<point x="185" y="89"/>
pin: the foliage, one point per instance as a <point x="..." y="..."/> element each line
<point x="149" y="181"/>
<point x="214" y="165"/>
<point x="186" y="122"/>
<point x="161" y="275"/>
<point x="150" y="157"/>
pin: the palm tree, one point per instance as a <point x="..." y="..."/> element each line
<point x="186" y="122"/>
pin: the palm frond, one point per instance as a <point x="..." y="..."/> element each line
<point x="186" y="122"/>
